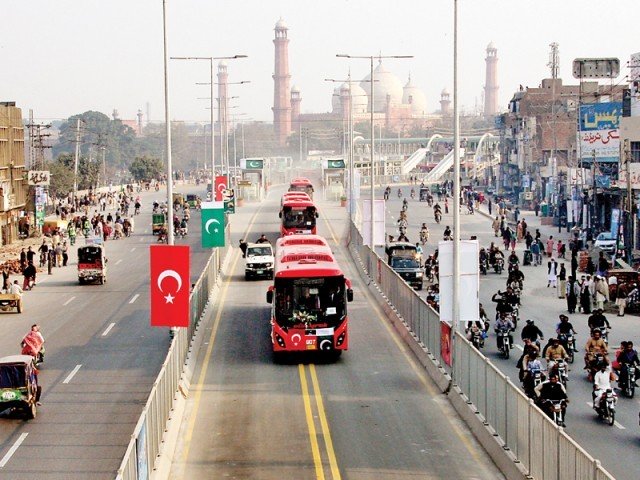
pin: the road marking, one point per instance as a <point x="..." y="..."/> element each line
<point x="71" y="375"/>
<point x="313" y="438"/>
<point x="106" y="332"/>
<point x="198" y="387"/>
<point x="118" y="261"/>
<point x="133" y="249"/>
<point x="134" y="298"/>
<point x="333" y="463"/>
<point x="12" y="450"/>
<point x="69" y="301"/>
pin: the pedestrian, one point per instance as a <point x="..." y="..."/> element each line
<point x="5" y="278"/>
<point x="525" y="230"/>
<point x="516" y="214"/>
<point x="243" y="247"/>
<point x="572" y="293"/>
<point x="23" y="259"/>
<point x="536" y="208"/>
<point x="550" y="246"/>
<point x="621" y="298"/>
<point x="446" y="205"/>
<point x="496" y="226"/>
<point x="585" y="295"/>
<point x="601" y="292"/>
<point x="513" y="239"/>
<point x="506" y="237"/>
<point x="574" y="263"/>
<point x="528" y="240"/>
<point x="30" y="256"/>
<point x="65" y="253"/>
<point x="58" y="253"/>
<point x="538" y="234"/>
<point x="503" y="224"/>
<point x="489" y="205"/>
<point x="535" y="251"/>
<point x="552" y="271"/>
<point x="562" y="281"/>
<point x="603" y="265"/>
<point x="519" y="232"/>
<point x="591" y="267"/>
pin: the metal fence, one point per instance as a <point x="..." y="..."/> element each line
<point x="545" y="450"/>
<point x="144" y="446"/>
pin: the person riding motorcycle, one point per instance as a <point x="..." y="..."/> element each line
<point x="554" y="353"/>
<point x="627" y="357"/>
<point x="552" y="389"/>
<point x="515" y="275"/>
<point x="564" y="329"/>
<point x="437" y="212"/>
<point x="447" y="234"/>
<point x="595" y="345"/>
<point x="494" y="254"/>
<point x="601" y="383"/>
<point x="531" y="331"/>
<point x="424" y="233"/>
<point x="399" y="193"/>
<point x="405" y="204"/>
<point x="413" y="193"/>
<point x="531" y="368"/>
<point x="598" y="321"/>
<point x="505" y="302"/>
<point x="33" y="343"/>
<point x="513" y="260"/>
<point x="504" y="323"/>
<point x="483" y="258"/>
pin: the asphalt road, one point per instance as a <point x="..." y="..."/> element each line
<point x="374" y="414"/>
<point x="102" y="333"/>
<point x="610" y="444"/>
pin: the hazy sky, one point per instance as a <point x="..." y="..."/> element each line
<point x="66" y="56"/>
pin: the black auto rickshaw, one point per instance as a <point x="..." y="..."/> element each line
<point x="424" y="194"/>
<point x="19" y="390"/>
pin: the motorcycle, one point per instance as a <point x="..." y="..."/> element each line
<point x="562" y="370"/>
<point x="424" y="237"/>
<point x="505" y="342"/>
<point x="568" y="341"/>
<point x="607" y="409"/>
<point x="477" y="339"/>
<point x="628" y="386"/>
<point x="498" y="265"/>
<point x="595" y="364"/>
<point x="532" y="380"/>
<point x="604" y="333"/>
<point x="399" y="193"/>
<point x="516" y="286"/>
<point x="483" y="266"/>
<point x="438" y="217"/>
<point x="555" y="410"/>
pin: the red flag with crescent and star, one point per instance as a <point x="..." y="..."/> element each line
<point x="170" y="285"/>
<point x="221" y="186"/>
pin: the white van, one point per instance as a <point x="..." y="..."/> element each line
<point x="259" y="261"/>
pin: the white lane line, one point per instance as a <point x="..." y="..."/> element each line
<point x="106" y="332"/>
<point x="73" y="372"/>
<point x="118" y="261"/>
<point x="69" y="301"/>
<point x="134" y="298"/>
<point x="12" y="450"/>
<point x="133" y="249"/>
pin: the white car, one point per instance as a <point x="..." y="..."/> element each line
<point x="259" y="261"/>
<point x="606" y="242"/>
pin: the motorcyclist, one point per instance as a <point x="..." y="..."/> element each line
<point x="513" y="260"/>
<point x="598" y="320"/>
<point x="595" y="345"/>
<point x="399" y="193"/>
<point x="601" y="383"/>
<point x="424" y="233"/>
<point x="494" y="254"/>
<point x="563" y="329"/>
<point x="527" y="349"/>
<point x="405" y="204"/>
<point x="447" y="233"/>
<point x="413" y="193"/>
<point x="531" y="331"/>
<point x="554" y="353"/>
<point x="628" y="356"/>
<point x="504" y="304"/>
<point x="483" y="258"/>
<point x="33" y="343"/>
<point x="552" y="389"/>
<point x="533" y="366"/>
<point x="515" y="275"/>
<point x="504" y="323"/>
<point x="29" y="274"/>
<point x="437" y="212"/>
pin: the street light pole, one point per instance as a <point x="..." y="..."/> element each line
<point x="372" y="147"/>
<point x="167" y="122"/>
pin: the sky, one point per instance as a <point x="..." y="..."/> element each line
<point x="64" y="57"/>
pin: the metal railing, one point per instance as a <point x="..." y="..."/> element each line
<point x="144" y="446"/>
<point x="544" y="449"/>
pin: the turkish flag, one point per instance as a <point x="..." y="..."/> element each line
<point x="221" y="186"/>
<point x="170" y="285"/>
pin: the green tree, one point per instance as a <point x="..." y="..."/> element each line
<point x="61" y="178"/>
<point x="146" y="168"/>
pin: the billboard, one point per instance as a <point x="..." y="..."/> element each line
<point x="634" y="79"/>
<point x="469" y="281"/>
<point x="599" y="137"/>
<point x="600" y="116"/>
<point x="379" y="219"/>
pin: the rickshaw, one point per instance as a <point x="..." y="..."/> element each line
<point x="10" y="301"/>
<point x="92" y="264"/>
<point x="19" y="390"/>
<point x="158" y="222"/>
<point x="424" y="194"/>
<point x="192" y="200"/>
<point x="178" y="200"/>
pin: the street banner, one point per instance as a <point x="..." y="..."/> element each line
<point x="212" y="214"/>
<point x="230" y="206"/>
<point x="445" y="342"/>
<point x="221" y="186"/>
<point x="469" y="281"/>
<point x="379" y="218"/>
<point x="170" y="285"/>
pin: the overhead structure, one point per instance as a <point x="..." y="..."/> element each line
<point x="418" y="156"/>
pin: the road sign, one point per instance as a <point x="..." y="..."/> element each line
<point x="39" y="177"/>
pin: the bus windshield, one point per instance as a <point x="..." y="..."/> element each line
<point x="299" y="217"/>
<point x="310" y="301"/>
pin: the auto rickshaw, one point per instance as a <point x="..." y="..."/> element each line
<point x="92" y="264"/>
<point x="158" y="222"/>
<point x="424" y="194"/>
<point x="178" y="200"/>
<point x="192" y="200"/>
<point x="19" y="390"/>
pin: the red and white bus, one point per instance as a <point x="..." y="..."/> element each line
<point x="301" y="184"/>
<point x="298" y="216"/>
<point x="291" y="240"/>
<point x="309" y="301"/>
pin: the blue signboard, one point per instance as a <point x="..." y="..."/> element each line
<point x="600" y="116"/>
<point x="603" y="181"/>
<point x="615" y="221"/>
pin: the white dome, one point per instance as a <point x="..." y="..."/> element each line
<point x="491" y="46"/>
<point x="281" y="25"/>
<point x="385" y="84"/>
<point x="336" y="106"/>
<point x="359" y="100"/>
<point x="295" y="89"/>
<point x="413" y="96"/>
<point x="444" y="92"/>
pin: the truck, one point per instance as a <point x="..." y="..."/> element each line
<point x="259" y="261"/>
<point x="402" y="257"/>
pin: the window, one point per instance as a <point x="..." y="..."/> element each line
<point x="635" y="152"/>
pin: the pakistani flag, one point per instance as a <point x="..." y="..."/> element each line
<point x="212" y="224"/>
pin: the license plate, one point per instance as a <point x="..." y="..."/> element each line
<point x="259" y="272"/>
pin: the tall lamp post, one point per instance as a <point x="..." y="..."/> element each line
<point x="167" y="123"/>
<point x="372" y="108"/>
<point x="212" y="83"/>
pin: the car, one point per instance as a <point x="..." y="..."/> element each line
<point x="606" y="242"/>
<point x="259" y="261"/>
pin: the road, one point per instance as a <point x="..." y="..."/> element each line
<point x="374" y="414"/>
<point x="608" y="444"/>
<point x="102" y="358"/>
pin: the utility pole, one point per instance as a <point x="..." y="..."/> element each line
<point x="629" y="224"/>
<point x="75" y="161"/>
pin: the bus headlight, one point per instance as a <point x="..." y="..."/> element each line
<point x="340" y="339"/>
<point x="280" y="341"/>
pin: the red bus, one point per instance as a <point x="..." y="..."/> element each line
<point x="301" y="184"/>
<point x="309" y="240"/>
<point x="309" y="301"/>
<point x="298" y="216"/>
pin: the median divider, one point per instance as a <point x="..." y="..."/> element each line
<point x="522" y="441"/>
<point x="143" y="453"/>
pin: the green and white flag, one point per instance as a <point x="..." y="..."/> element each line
<point x="212" y="214"/>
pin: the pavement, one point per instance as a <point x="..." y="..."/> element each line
<point x="541" y="304"/>
<point x="102" y="358"/>
<point x="373" y="414"/>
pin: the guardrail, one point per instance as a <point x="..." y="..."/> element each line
<point x="144" y="446"/>
<point x="544" y="450"/>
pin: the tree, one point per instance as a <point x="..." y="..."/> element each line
<point x="61" y="177"/>
<point x="146" y="168"/>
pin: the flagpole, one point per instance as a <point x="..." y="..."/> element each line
<point x="167" y="130"/>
